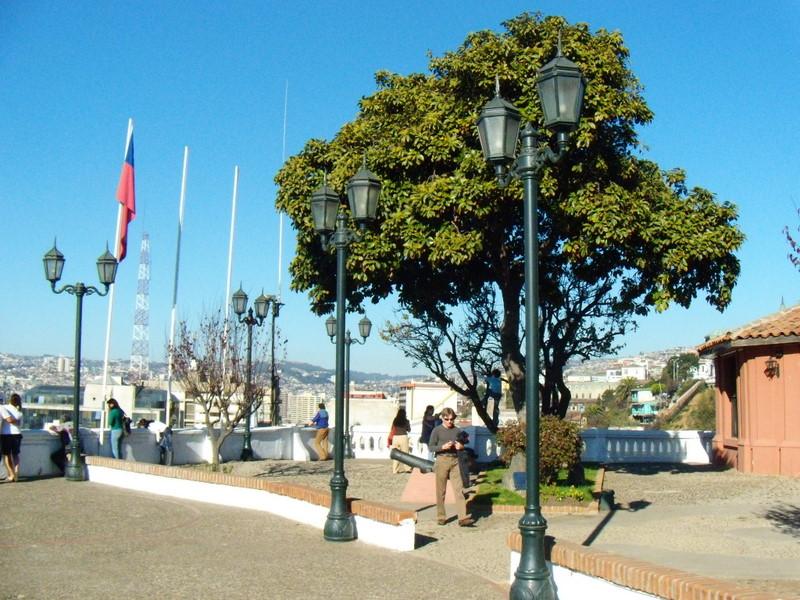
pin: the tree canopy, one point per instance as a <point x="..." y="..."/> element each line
<point x="618" y="235"/>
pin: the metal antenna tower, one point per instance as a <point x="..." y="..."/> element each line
<point x="140" y="351"/>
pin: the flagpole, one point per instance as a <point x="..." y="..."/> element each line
<point x="231" y="237"/>
<point x="175" y="285"/>
<point x="110" y="314"/>
<point x="280" y="213"/>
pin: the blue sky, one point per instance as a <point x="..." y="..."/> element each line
<point x="719" y="77"/>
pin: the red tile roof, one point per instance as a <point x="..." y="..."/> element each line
<point x="782" y="323"/>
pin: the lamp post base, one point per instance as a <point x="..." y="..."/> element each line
<point x="340" y="528"/>
<point x="75" y="472"/>
<point x="532" y="589"/>
<point x="247" y="454"/>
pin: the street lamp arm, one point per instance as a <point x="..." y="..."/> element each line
<point x="532" y="156"/>
<point x="78" y="289"/>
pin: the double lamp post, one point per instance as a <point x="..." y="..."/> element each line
<point x="364" y="329"/>
<point x="560" y="85"/>
<point x="261" y="305"/>
<point x="362" y="193"/>
<point x="107" y="272"/>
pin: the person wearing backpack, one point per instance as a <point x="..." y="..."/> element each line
<point x="115" y="424"/>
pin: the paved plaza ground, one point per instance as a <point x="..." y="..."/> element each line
<point x="64" y="539"/>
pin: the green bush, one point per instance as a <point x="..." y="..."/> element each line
<point x="560" y="445"/>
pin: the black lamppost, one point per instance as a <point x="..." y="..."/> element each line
<point x="364" y="329"/>
<point x="561" y="88"/>
<point x="107" y="272"/>
<point x="275" y="387"/>
<point x="239" y="307"/>
<point x="362" y="192"/>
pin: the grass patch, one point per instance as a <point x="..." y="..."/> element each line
<point x="492" y="491"/>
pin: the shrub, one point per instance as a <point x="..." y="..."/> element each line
<point x="560" y="445"/>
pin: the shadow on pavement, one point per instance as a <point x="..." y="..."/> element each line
<point x="785" y="518"/>
<point x="634" y="506"/>
<point x="655" y="468"/>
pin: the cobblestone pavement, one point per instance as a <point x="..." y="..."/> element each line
<point x="87" y="541"/>
<point x="82" y="540"/>
<point x="717" y="523"/>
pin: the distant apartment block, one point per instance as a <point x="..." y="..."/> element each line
<point x="414" y="396"/>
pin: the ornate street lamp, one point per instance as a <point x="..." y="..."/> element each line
<point x="239" y="301"/>
<point x="561" y="86"/>
<point x="275" y="379"/>
<point x="364" y="329"/>
<point x="363" y="191"/>
<point x="106" y="272"/>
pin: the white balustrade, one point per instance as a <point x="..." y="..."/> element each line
<point x="297" y="443"/>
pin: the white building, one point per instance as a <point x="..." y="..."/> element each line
<point x="414" y="396"/>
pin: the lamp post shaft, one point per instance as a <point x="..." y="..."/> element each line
<point x="274" y="394"/>
<point x="348" y="449"/>
<point x="75" y="468"/>
<point x="340" y="524"/>
<point x="247" y="448"/>
<point x="532" y="578"/>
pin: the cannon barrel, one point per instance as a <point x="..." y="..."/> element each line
<point x="423" y="464"/>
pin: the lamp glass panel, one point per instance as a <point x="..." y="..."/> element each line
<point x="330" y="326"/>
<point x="239" y="302"/>
<point x="498" y="129"/>
<point x="363" y="191"/>
<point x="324" y="206"/>
<point x="261" y="305"/>
<point x="53" y="264"/>
<point x="364" y="327"/>
<point x="107" y="268"/>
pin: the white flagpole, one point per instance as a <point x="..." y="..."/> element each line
<point x="230" y="241"/>
<point x="175" y="284"/>
<point x="280" y="214"/>
<point x="110" y="314"/>
<point x="230" y="264"/>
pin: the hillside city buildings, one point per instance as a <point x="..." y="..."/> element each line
<point x="46" y="384"/>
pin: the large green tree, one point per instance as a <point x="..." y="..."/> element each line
<point x="619" y="236"/>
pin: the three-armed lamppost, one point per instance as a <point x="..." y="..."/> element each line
<point x="107" y="272"/>
<point x="275" y="387"/>
<point x="362" y="192"/>
<point x="240" y="307"/>
<point x="364" y="329"/>
<point x="561" y="88"/>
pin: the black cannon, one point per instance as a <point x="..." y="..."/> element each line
<point x="423" y="464"/>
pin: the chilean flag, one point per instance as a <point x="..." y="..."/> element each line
<point x="126" y="194"/>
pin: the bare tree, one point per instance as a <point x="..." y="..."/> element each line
<point x="210" y="363"/>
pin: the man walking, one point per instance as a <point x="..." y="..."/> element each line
<point x="445" y="444"/>
<point x="320" y="421"/>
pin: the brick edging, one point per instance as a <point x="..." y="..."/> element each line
<point x="371" y="510"/>
<point x="664" y="582"/>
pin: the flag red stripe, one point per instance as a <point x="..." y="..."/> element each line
<point x="126" y="194"/>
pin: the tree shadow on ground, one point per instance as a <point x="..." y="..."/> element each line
<point x="656" y="468"/>
<point x="785" y="518"/>
<point x="292" y="469"/>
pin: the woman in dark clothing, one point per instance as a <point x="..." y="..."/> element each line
<point x="428" y="423"/>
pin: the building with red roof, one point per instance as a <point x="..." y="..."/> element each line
<point x="758" y="394"/>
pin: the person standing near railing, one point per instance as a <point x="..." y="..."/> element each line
<point x="11" y="436"/>
<point x="398" y="438"/>
<point x="320" y="422"/>
<point x="428" y="424"/>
